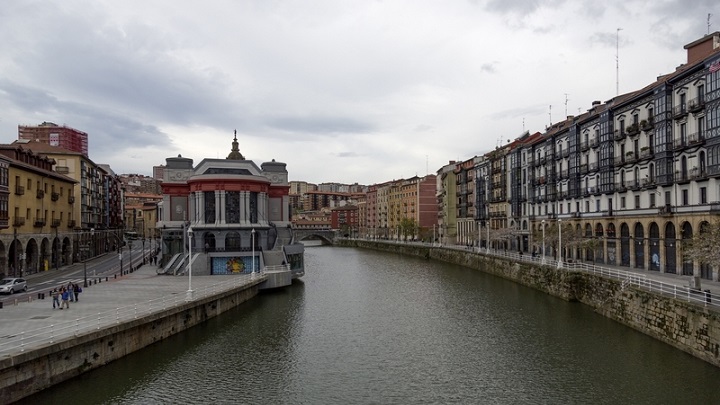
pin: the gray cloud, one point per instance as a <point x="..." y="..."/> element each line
<point x="319" y="125"/>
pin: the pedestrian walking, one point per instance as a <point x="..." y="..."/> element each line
<point x="65" y="299"/>
<point x="70" y="288"/>
<point x="55" y="294"/>
<point x="76" y="291"/>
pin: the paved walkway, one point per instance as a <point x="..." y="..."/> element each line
<point x="31" y="321"/>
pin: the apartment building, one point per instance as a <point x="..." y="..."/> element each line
<point x="626" y="183"/>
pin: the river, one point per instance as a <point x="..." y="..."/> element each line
<point x="366" y="327"/>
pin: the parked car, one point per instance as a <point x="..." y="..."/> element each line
<point x="12" y="285"/>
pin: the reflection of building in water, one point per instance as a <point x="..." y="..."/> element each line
<point x="238" y="213"/>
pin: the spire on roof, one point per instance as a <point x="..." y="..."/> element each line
<point x="235" y="151"/>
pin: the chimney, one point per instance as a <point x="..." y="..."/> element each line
<point x="703" y="47"/>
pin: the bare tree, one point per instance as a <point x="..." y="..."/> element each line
<point x="705" y="246"/>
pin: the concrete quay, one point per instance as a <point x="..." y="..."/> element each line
<point x="41" y="346"/>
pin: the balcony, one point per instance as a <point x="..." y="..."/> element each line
<point x="71" y="223"/>
<point x="584" y="146"/>
<point x="646" y="153"/>
<point x="620" y="187"/>
<point x="39" y="222"/>
<point x="62" y="169"/>
<point x="635" y="185"/>
<point x="593" y="167"/>
<point x="19" y="221"/>
<point x="697" y="138"/>
<point x="71" y="199"/>
<point x="679" y="111"/>
<point x="666" y="210"/>
<point x="680" y="144"/>
<point x="633" y="129"/>
<point x="618" y="135"/>
<point x="647" y="125"/>
<point x="696" y="104"/>
<point x="40" y="194"/>
<point x="576" y="215"/>
<point x="594" y="143"/>
<point x="54" y="196"/>
<point x="55" y="223"/>
<point x="19" y="190"/>
<point x="565" y="153"/>
<point x="715" y="207"/>
<point x="583" y="169"/>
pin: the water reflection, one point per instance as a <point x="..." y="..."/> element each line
<point x="379" y="328"/>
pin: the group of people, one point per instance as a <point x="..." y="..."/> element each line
<point x="63" y="295"/>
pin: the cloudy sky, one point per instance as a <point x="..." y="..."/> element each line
<point x="341" y="91"/>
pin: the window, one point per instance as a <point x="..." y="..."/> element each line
<point x="587" y="206"/>
<point x="597" y="205"/>
<point x="685" y="197"/>
<point x="652" y="200"/>
<point x="637" y="202"/>
<point x="703" y="195"/>
<point x="622" y="202"/>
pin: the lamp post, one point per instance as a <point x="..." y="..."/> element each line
<point x="57" y="249"/>
<point x="252" y="233"/>
<point x="543" y="249"/>
<point x="487" y="231"/>
<point x="85" y="283"/>
<point x="189" y="295"/>
<point x="559" y="262"/>
<point x="130" y="250"/>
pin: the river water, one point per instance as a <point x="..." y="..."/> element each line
<point x="365" y="327"/>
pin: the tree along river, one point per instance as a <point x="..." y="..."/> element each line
<point x="366" y="327"/>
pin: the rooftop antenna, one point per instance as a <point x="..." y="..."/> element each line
<point x="708" y="23"/>
<point x="566" y="100"/>
<point x="550" y="114"/>
<point x="617" y="62"/>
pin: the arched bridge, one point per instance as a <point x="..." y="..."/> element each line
<point x="327" y="236"/>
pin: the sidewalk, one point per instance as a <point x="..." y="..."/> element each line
<point x="101" y="304"/>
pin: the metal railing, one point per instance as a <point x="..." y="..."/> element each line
<point x="639" y="280"/>
<point x="635" y="279"/>
<point x="24" y="340"/>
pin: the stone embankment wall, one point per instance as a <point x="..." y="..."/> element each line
<point x="37" y="369"/>
<point x="688" y="326"/>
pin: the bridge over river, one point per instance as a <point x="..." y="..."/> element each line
<point x="327" y="236"/>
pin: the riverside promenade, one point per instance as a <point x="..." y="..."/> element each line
<point x="112" y="318"/>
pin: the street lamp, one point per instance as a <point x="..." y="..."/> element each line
<point x="487" y="230"/>
<point x="253" y="251"/>
<point x="189" y="295"/>
<point x="559" y="263"/>
<point x="543" y="249"/>
<point x="92" y="233"/>
<point x="130" y="250"/>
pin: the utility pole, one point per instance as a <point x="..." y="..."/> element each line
<point x="617" y="61"/>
